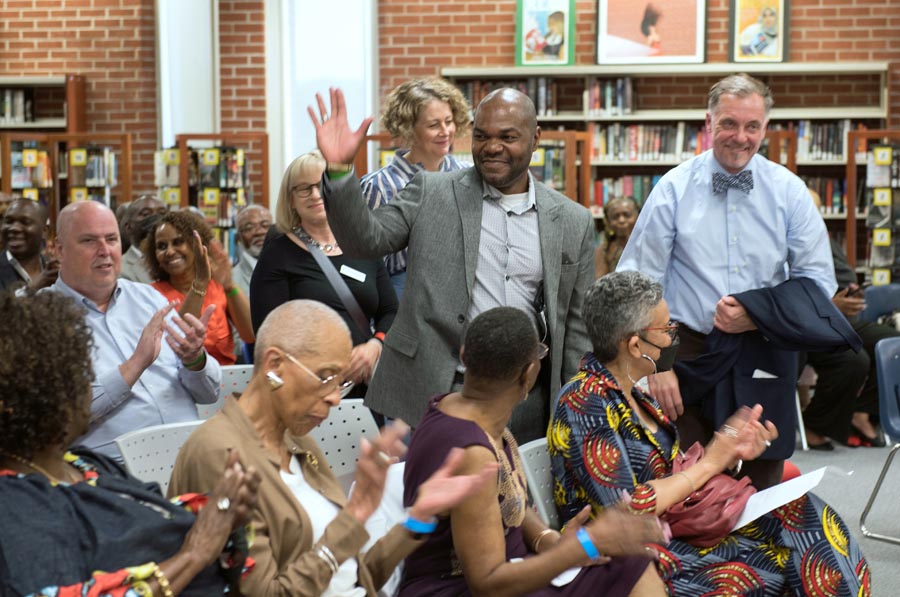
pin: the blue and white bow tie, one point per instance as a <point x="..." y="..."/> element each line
<point x="742" y="182"/>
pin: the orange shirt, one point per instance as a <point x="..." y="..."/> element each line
<point x="219" y="341"/>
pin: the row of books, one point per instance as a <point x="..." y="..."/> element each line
<point x="548" y="165"/>
<point x="220" y="167"/>
<point x="30" y="169"/>
<point x="832" y="192"/>
<point x="543" y="91"/>
<point x="90" y="166"/>
<point x="619" y="142"/>
<point x="609" y="97"/>
<point x="637" y="187"/>
<point x="16" y="106"/>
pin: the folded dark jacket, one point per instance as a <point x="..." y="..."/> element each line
<point x="760" y="366"/>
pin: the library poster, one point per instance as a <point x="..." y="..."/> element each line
<point x="545" y="32"/>
<point x="758" y="30"/>
<point x="662" y="31"/>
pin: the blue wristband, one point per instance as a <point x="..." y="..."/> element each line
<point x="418" y="527"/>
<point x="589" y="548"/>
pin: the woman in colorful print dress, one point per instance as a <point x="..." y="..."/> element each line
<point x="608" y="437"/>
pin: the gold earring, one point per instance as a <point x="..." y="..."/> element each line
<point x="275" y="382"/>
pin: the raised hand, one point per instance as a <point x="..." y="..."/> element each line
<point x="443" y="490"/>
<point x="201" y="262"/>
<point x="150" y="342"/>
<point x="371" y="469"/>
<point x="187" y="341"/>
<point x="334" y="137"/>
<point x="221" y="264"/>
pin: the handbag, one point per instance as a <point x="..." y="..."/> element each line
<point x="707" y="515"/>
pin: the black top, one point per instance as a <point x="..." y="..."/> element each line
<point x="286" y="272"/>
<point x="59" y="535"/>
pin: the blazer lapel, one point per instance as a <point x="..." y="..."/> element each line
<point x="467" y="192"/>
<point x="551" y="232"/>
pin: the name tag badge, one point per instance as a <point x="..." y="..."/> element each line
<point x="353" y="273"/>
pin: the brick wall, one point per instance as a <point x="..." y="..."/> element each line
<point x="418" y="37"/>
<point x="243" y="77"/>
<point x="112" y="43"/>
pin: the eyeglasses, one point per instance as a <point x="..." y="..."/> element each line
<point x="671" y="328"/>
<point x="304" y="190"/>
<point x="329" y="384"/>
<point x="252" y="226"/>
<point x="543" y="351"/>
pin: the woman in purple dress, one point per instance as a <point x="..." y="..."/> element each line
<point x="493" y="543"/>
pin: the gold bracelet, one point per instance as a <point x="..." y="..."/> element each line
<point x="539" y="538"/>
<point x="196" y="290"/>
<point x="162" y="581"/>
<point x="691" y="483"/>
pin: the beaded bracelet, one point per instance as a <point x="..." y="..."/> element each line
<point x="589" y="548"/>
<point x="162" y="581"/>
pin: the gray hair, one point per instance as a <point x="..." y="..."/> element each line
<point x="617" y="306"/>
<point x="247" y="210"/>
<point x="740" y="85"/>
<point x="297" y="327"/>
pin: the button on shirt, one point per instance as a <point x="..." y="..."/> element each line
<point x="509" y="269"/>
<point x="702" y="245"/>
<point x="166" y="391"/>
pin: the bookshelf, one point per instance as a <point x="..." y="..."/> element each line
<point x="211" y="172"/>
<point x="860" y="144"/>
<point x="57" y="168"/>
<point x="561" y="160"/>
<point x="645" y="119"/>
<point x="43" y="103"/>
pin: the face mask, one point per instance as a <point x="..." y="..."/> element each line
<point x="666" y="356"/>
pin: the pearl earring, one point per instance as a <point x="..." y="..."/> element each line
<point x="275" y="382"/>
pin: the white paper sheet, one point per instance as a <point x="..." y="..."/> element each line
<point x="765" y="501"/>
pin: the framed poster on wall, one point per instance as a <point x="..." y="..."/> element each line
<point x="545" y="32"/>
<point x="758" y="31"/>
<point x="663" y="31"/>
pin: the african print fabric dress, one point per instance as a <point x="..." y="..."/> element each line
<point x="598" y="449"/>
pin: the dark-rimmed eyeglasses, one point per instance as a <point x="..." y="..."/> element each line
<point x="329" y="384"/>
<point x="304" y="190"/>
<point x="671" y="328"/>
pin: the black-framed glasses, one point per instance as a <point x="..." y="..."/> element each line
<point x="671" y="328"/>
<point x="304" y="190"/>
<point x="329" y="384"/>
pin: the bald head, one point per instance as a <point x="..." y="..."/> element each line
<point x="301" y="328"/>
<point x="504" y="138"/>
<point x="510" y="99"/>
<point x="90" y="255"/>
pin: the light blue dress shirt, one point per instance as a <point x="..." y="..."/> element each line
<point x="166" y="391"/>
<point x="702" y="246"/>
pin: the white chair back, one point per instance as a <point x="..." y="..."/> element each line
<point x="338" y="437"/>
<point x="150" y="453"/>
<point x="536" y="462"/>
<point x="234" y="379"/>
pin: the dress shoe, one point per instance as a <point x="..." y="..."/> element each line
<point x="825" y="446"/>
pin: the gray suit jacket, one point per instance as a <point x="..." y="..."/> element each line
<point x="438" y="217"/>
<point x="133" y="267"/>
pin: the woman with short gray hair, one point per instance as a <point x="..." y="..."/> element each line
<point x="608" y="439"/>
